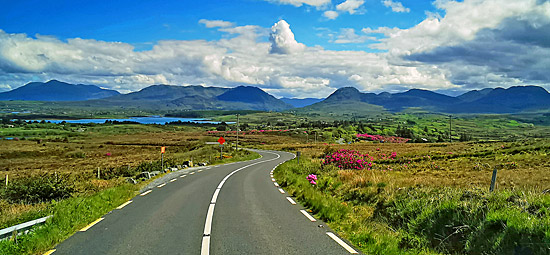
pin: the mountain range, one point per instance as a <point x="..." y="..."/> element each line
<point x="348" y="99"/>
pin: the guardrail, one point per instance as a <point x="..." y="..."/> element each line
<point x="21" y="228"/>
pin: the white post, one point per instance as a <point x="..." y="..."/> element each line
<point x="98" y="172"/>
<point x="6" y="180"/>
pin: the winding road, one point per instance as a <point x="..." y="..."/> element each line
<point x="235" y="208"/>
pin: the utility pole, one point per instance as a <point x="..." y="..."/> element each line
<point x="237" y="145"/>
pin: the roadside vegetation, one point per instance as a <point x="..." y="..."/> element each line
<point x="389" y="183"/>
<point x="428" y="198"/>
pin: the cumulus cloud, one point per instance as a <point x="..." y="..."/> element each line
<point x="216" y="23"/>
<point x="395" y="6"/>
<point x="330" y="14"/>
<point x="282" y="39"/>
<point x="350" y="6"/>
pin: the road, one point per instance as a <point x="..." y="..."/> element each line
<point x="228" y="209"/>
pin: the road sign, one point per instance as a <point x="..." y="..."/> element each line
<point x="221" y="140"/>
<point x="162" y="149"/>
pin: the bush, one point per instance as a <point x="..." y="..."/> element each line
<point x="32" y="190"/>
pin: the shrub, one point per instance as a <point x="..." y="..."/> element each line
<point x="32" y="190"/>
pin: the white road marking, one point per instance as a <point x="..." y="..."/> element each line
<point x="183" y="176"/>
<point x="173" y="180"/>
<point x="205" y="247"/>
<point x="276" y="184"/>
<point x="272" y="179"/>
<point x="199" y="171"/>
<point x="208" y="223"/>
<point x="282" y="191"/>
<point x="162" y="185"/>
<point x="123" y="205"/>
<point x="308" y="216"/>
<point x="192" y="173"/>
<point x="290" y="200"/>
<point x="215" y="196"/>
<point x="145" y="193"/>
<point x="342" y="243"/>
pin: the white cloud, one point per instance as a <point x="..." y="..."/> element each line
<point x="331" y="14"/>
<point x="350" y="6"/>
<point x="348" y="35"/>
<point x="216" y="23"/>
<point x="395" y="6"/>
<point x="298" y="3"/>
<point x="282" y="39"/>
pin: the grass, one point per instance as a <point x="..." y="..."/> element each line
<point x="424" y="209"/>
<point x="69" y="215"/>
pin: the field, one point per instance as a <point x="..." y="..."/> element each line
<point x="429" y="198"/>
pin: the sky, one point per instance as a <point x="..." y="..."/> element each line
<point x="289" y="48"/>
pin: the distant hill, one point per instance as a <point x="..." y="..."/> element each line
<point x="301" y="102"/>
<point x="57" y="91"/>
<point x="170" y="97"/>
<point x="512" y="100"/>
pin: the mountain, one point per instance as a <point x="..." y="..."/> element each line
<point x="512" y="100"/>
<point x="170" y="97"/>
<point x="57" y="91"/>
<point x="301" y="102"/>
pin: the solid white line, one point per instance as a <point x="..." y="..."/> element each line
<point x="205" y="247"/>
<point x="125" y="204"/>
<point x="183" y="176"/>
<point x="282" y="191"/>
<point x="162" y="185"/>
<point x="342" y="243"/>
<point x="215" y="196"/>
<point x="173" y="180"/>
<point x="290" y="200"/>
<point x="146" y="192"/>
<point x="276" y="184"/>
<point x="208" y="223"/>
<point x="308" y="216"/>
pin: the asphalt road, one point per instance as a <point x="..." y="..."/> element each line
<point x="227" y="209"/>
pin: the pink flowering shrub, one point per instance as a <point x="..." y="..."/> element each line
<point x="348" y="159"/>
<point x="383" y="139"/>
<point x="312" y="178"/>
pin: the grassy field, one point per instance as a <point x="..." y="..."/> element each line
<point x="430" y="198"/>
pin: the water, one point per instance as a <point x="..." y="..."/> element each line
<point x="141" y="120"/>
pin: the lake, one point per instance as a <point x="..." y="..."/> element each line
<point x="141" y="120"/>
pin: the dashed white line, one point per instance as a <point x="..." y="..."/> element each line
<point x="162" y="185"/>
<point x="208" y="223"/>
<point x="290" y="200"/>
<point x="199" y="171"/>
<point x="282" y="191"/>
<point x="215" y="196"/>
<point x="308" y="216"/>
<point x="272" y="179"/>
<point x="123" y="205"/>
<point x="145" y="193"/>
<point x="173" y="180"/>
<point x="276" y="184"/>
<point x="205" y="247"/>
<point x="183" y="176"/>
<point x="342" y="243"/>
<point x="192" y="173"/>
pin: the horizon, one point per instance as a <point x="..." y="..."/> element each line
<point x="288" y="48"/>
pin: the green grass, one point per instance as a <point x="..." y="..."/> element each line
<point x="69" y="215"/>
<point x="381" y="219"/>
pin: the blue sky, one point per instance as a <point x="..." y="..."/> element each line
<point x="293" y="48"/>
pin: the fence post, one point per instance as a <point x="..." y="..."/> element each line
<point x="98" y="173"/>
<point x="298" y="156"/>
<point x="493" y="180"/>
<point x="6" y="180"/>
